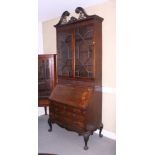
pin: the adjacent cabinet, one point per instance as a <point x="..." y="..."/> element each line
<point x="76" y="100"/>
<point x="46" y="78"/>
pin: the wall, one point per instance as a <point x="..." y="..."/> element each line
<point x="107" y="11"/>
<point x="40" y="38"/>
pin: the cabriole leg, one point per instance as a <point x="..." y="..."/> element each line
<point x="50" y="124"/>
<point x="86" y="138"/>
<point x="101" y="127"/>
<point x="45" y="110"/>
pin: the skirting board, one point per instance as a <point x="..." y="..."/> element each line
<point x="107" y="134"/>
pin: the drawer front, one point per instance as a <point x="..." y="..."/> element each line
<point x="69" y="123"/>
<point x="62" y="120"/>
<point x="69" y="117"/>
<point x="63" y="109"/>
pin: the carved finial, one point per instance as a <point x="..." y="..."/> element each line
<point x="82" y="13"/>
<point x="72" y="19"/>
<point x="63" y="19"/>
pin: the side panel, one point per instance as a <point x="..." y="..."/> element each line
<point x="94" y="110"/>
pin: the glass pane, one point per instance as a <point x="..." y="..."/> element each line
<point x="43" y="78"/>
<point x="64" y="54"/>
<point x="43" y="70"/>
<point x="84" y="52"/>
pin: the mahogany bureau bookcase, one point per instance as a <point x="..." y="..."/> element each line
<point x="76" y="101"/>
<point x="46" y="78"/>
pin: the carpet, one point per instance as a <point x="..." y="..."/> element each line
<point x="63" y="142"/>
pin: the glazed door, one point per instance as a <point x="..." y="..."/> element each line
<point x="64" y="46"/>
<point x="76" y="52"/>
<point x="84" y="52"/>
<point x="44" y="83"/>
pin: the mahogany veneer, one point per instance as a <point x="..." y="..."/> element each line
<point x="76" y="101"/>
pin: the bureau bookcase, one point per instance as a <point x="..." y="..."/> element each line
<point x="76" y="101"/>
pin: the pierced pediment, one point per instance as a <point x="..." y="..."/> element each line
<point x="65" y="16"/>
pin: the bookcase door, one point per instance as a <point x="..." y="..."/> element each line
<point x="64" y="46"/>
<point x="84" y="52"/>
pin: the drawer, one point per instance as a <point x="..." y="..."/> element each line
<point x="61" y="108"/>
<point x="62" y="119"/>
<point x="50" y="109"/>
<point x="77" y="117"/>
<point x="73" y="116"/>
<point x="75" y="110"/>
<point x="69" y="123"/>
<point x="78" y="125"/>
<point x="51" y="106"/>
<point x="57" y="108"/>
<point x="69" y="116"/>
